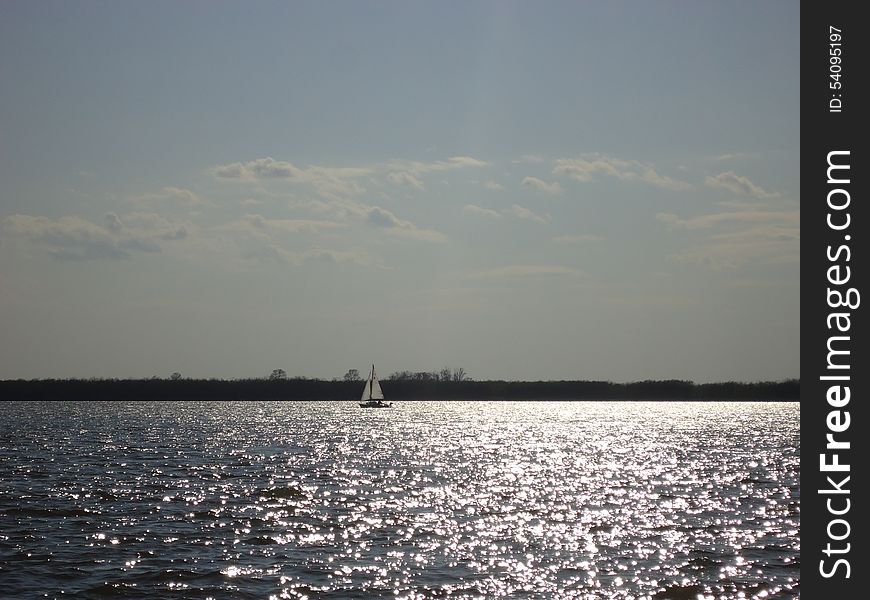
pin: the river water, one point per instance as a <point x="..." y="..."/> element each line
<point x="276" y="500"/>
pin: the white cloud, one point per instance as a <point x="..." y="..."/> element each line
<point x="350" y="211"/>
<point x="341" y="209"/>
<point x="588" y="166"/>
<point x="583" y="169"/>
<point x="273" y="252"/>
<point x="385" y="220"/>
<point x="259" y="238"/>
<point x="113" y="222"/>
<point x="650" y="176"/>
<point x="493" y="185"/>
<point x="75" y="238"/>
<point x="338" y="182"/>
<point x="713" y="220"/>
<point x="332" y="182"/>
<point x="356" y="256"/>
<point x="540" y="184"/>
<point x="260" y="168"/>
<point x="70" y="238"/>
<point x="263" y="240"/>
<point x="290" y="225"/>
<point x="516" y="211"/>
<point x="154" y="226"/>
<point x="173" y="196"/>
<point x="417" y="168"/>
<point x="738" y="184"/>
<point x="326" y="181"/>
<point x="405" y="178"/>
<point x="731" y="240"/>
<point x="738" y="250"/>
<point x="484" y="212"/>
<point x="466" y="161"/>
<point x="521" y="212"/>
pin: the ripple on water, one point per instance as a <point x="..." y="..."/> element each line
<point x="471" y="499"/>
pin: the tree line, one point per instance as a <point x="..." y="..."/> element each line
<point x="400" y="386"/>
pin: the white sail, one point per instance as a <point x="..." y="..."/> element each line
<point x="377" y="394"/>
<point x="372" y="389"/>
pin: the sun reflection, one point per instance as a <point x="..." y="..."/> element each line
<point x="587" y="500"/>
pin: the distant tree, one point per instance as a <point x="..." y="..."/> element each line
<point x="444" y="374"/>
<point x="459" y="374"/>
<point x="352" y="375"/>
<point x="175" y="376"/>
<point x="278" y="374"/>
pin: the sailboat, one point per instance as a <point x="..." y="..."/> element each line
<point x="373" y="396"/>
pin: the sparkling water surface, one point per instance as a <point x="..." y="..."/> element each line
<point x="426" y="500"/>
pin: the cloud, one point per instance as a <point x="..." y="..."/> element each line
<point x="522" y="212"/>
<point x="69" y="238"/>
<point x="650" y="176"/>
<point x="730" y="240"/>
<point x="113" y="222"/>
<point x="341" y="209"/>
<point x="337" y="182"/>
<point x="384" y="219"/>
<point x="266" y="251"/>
<point x="583" y="169"/>
<point x="357" y="256"/>
<point x="405" y="178"/>
<point x="74" y="238"/>
<point x="260" y="238"/>
<point x="484" y="212"/>
<point x="350" y="212"/>
<point x="139" y="245"/>
<point x="180" y="233"/>
<point x="516" y="211"/>
<point x="466" y="161"/>
<point x="263" y="240"/>
<point x="333" y="182"/>
<point x="494" y="186"/>
<point x="539" y="184"/>
<point x="152" y="225"/>
<point x="713" y="220"/>
<point x="274" y="253"/>
<point x="290" y="225"/>
<point x="326" y="181"/>
<point x="523" y="271"/>
<point x="732" y="251"/>
<point x="586" y="168"/>
<point x="417" y="168"/>
<point x="737" y="184"/>
<point x="173" y="196"/>
<point x="260" y="168"/>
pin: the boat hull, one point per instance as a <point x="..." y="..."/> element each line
<point x="376" y="404"/>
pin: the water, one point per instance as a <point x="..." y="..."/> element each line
<point x="455" y="499"/>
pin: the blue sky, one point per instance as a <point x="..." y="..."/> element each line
<point x="558" y="190"/>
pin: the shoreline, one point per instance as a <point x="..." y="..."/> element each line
<point x="396" y="390"/>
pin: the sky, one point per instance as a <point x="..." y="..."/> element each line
<point x="529" y="191"/>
